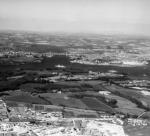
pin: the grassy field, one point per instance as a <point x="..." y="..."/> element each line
<point x="125" y="106"/>
<point x="130" y="94"/>
<point x="63" y="100"/>
<point x="26" y="98"/>
<point x="97" y="105"/>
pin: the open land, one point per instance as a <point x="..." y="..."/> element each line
<point x="56" y="73"/>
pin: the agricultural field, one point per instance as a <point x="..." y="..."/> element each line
<point x="63" y="100"/>
<point x="25" y="98"/>
<point x="130" y="94"/>
<point x="125" y="106"/>
<point x="97" y="105"/>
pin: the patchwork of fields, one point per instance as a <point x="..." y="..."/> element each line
<point x="83" y="95"/>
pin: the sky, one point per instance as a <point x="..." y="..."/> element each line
<point x="81" y="16"/>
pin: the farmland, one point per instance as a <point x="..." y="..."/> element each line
<point x="133" y="95"/>
<point x="26" y="98"/>
<point x="63" y="72"/>
<point x="126" y="106"/>
<point x="64" y="100"/>
<point x="94" y="104"/>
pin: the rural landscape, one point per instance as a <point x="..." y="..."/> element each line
<point x="74" y="68"/>
<point x="54" y="73"/>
